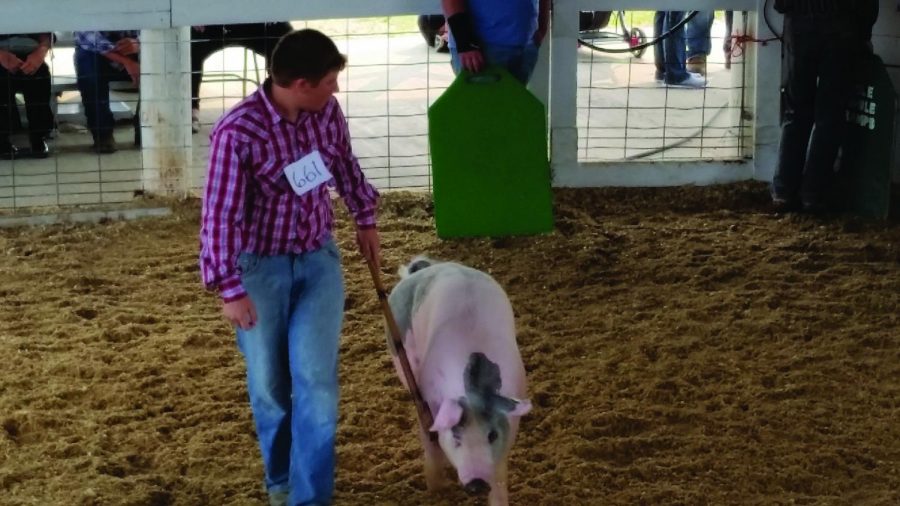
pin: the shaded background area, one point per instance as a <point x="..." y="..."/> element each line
<point x="683" y="346"/>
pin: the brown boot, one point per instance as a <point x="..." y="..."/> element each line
<point x="697" y="64"/>
<point x="105" y="144"/>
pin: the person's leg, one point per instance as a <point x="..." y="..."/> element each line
<point x="314" y="336"/>
<point x="836" y="65"/>
<point x="674" y="49"/>
<point x="261" y="38"/>
<point x="203" y="44"/>
<point x="659" y="23"/>
<point x="93" y="76"/>
<point x="7" y="109"/>
<point x="698" y="41"/>
<point x="697" y="34"/>
<point x="265" y="349"/>
<point x="799" y="76"/>
<point x="36" y="91"/>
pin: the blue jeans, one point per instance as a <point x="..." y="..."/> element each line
<point x="518" y="60"/>
<point x="697" y="32"/>
<point x="291" y="355"/>
<point x="669" y="56"/>
<point x="94" y="73"/>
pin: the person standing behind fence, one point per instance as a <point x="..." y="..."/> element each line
<point x="698" y="35"/>
<point x="267" y="247"/>
<point x="101" y="58"/>
<point x="22" y="69"/>
<point x="823" y="40"/>
<point x="207" y="39"/>
<point x="505" y="33"/>
<point x="669" y="53"/>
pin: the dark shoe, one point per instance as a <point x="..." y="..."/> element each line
<point x="815" y="207"/>
<point x="39" y="147"/>
<point x="105" y="145"/>
<point x="8" y="151"/>
<point x="783" y="205"/>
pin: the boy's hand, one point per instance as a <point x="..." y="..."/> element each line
<point x="240" y="313"/>
<point x="369" y="245"/>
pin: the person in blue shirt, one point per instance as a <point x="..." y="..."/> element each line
<point x="100" y="58"/>
<point x="505" y="33"/>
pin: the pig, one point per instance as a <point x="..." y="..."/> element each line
<point x="458" y="332"/>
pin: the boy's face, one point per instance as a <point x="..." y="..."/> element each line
<point x="314" y="97"/>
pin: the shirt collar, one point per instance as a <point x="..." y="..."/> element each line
<point x="265" y="91"/>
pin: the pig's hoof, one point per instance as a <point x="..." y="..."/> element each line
<point x="477" y="487"/>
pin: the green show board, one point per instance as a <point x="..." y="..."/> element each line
<point x="488" y="142"/>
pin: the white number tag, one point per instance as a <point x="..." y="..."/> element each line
<point x="307" y="173"/>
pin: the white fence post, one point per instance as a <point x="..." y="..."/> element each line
<point x="166" y="110"/>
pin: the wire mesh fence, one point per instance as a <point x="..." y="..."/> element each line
<point x="628" y="111"/>
<point x="394" y="74"/>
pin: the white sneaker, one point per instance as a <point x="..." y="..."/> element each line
<point x="692" y="81"/>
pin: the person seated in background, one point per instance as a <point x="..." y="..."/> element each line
<point x="23" y="70"/>
<point x="101" y="58"/>
<point x="207" y="39"/>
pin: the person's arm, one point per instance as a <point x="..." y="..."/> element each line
<point x="543" y="21"/>
<point x="359" y="195"/>
<point x="132" y="66"/>
<point x="222" y="218"/>
<point x="463" y="29"/>
<point x="10" y="61"/>
<point x="36" y="58"/>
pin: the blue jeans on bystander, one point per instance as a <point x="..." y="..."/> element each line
<point x="697" y="34"/>
<point x="669" y="55"/>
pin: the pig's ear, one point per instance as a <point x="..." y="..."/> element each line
<point x="515" y="407"/>
<point x="448" y="415"/>
<point x="522" y="407"/>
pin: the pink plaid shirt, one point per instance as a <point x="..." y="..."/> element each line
<point x="249" y="205"/>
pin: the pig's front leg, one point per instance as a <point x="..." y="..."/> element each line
<point x="499" y="495"/>
<point x="435" y="462"/>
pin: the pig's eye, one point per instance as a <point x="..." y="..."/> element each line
<point x="492" y="436"/>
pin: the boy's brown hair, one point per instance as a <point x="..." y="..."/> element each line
<point x="304" y="54"/>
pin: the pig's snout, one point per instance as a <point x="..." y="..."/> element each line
<point x="477" y="487"/>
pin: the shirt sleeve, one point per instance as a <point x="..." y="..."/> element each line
<point x="351" y="184"/>
<point x="222" y="218"/>
<point x="96" y="42"/>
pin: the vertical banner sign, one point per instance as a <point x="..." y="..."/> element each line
<point x="863" y="183"/>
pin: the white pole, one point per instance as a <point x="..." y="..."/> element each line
<point x="166" y="110"/>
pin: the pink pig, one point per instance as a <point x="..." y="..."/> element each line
<point x="459" y="334"/>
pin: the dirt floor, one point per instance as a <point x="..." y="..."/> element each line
<point x="684" y="346"/>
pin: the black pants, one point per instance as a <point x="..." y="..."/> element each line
<point x="817" y="77"/>
<point x="258" y="37"/>
<point x="35" y="89"/>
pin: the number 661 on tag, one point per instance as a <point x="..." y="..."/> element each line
<point x="307" y="173"/>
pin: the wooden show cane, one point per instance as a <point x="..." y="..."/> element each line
<point x="395" y="343"/>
